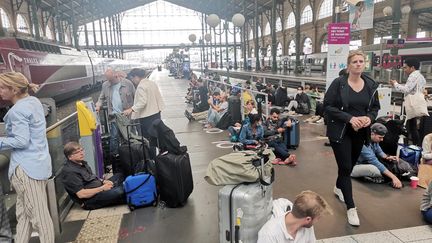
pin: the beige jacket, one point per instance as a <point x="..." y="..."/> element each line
<point x="148" y="100"/>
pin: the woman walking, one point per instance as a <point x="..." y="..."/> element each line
<point x="351" y="104"/>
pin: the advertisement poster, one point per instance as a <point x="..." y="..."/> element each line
<point x="361" y="15"/>
<point x="338" y="49"/>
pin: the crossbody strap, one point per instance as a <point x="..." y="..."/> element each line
<point x="136" y="188"/>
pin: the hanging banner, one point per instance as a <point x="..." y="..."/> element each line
<point x="338" y="50"/>
<point x="361" y="15"/>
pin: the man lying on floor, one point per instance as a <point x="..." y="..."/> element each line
<point x="84" y="187"/>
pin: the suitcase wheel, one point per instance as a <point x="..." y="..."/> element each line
<point x="131" y="207"/>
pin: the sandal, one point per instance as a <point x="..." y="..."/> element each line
<point x="278" y="161"/>
<point x="291" y="160"/>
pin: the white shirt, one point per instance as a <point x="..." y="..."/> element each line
<point x="415" y="78"/>
<point x="275" y="231"/>
<point x="148" y="100"/>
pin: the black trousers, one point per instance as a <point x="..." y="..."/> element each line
<point x="413" y="131"/>
<point x="146" y="123"/>
<point x="346" y="154"/>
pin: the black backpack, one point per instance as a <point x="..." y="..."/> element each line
<point x="225" y="121"/>
<point x="166" y="138"/>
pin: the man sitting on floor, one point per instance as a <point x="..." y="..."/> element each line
<point x="368" y="164"/>
<point x="274" y="128"/>
<point x="84" y="187"/>
<point x="296" y="225"/>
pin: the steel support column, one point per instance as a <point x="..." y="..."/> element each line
<point x="101" y="36"/>
<point x="257" y="65"/>
<point x="220" y="46"/>
<point x="94" y="35"/>
<point x="110" y="26"/>
<point x="201" y="42"/>
<point x="273" y="35"/>
<point x="297" y="36"/>
<point x="106" y="37"/>
<point x="244" y="39"/>
<point x="395" y="24"/>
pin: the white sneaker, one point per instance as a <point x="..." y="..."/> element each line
<point x="353" y="218"/>
<point x="338" y="193"/>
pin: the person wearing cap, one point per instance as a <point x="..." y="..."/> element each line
<point x="368" y="164"/>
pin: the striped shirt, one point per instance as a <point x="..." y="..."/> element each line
<point x="26" y="137"/>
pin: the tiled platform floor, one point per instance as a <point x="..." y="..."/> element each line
<point x="386" y="214"/>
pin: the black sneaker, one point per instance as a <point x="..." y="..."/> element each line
<point x="188" y="115"/>
<point x="376" y="180"/>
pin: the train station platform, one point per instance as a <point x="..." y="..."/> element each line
<point x="386" y="214"/>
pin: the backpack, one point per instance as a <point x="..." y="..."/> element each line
<point x="167" y="140"/>
<point x="303" y="108"/>
<point x="412" y="155"/>
<point x="225" y="121"/>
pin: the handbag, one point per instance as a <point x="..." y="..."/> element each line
<point x="415" y="105"/>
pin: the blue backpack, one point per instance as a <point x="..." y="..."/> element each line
<point x="412" y="155"/>
<point x="140" y="190"/>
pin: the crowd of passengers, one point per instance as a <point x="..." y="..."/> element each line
<point x="211" y="103"/>
<point x="140" y="99"/>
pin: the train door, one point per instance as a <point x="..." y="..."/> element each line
<point x="3" y="66"/>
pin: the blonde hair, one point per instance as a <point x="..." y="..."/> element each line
<point x="17" y="80"/>
<point x="310" y="204"/>
<point x="355" y="53"/>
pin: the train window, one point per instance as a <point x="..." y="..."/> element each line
<point x="32" y="45"/>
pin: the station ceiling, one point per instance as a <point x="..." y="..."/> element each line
<point x="85" y="11"/>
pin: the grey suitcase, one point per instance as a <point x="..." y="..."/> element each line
<point x="250" y="204"/>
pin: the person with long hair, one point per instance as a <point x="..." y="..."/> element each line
<point x="30" y="161"/>
<point x="351" y="104"/>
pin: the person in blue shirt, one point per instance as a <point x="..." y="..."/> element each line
<point x="30" y="161"/>
<point x="368" y="164"/>
<point x="252" y="132"/>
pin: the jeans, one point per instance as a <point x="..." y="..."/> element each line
<point x="281" y="150"/>
<point x="114" y="196"/>
<point x="114" y="139"/>
<point x="427" y="215"/>
<point x="213" y="118"/>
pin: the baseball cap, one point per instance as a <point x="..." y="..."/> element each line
<point x="379" y="129"/>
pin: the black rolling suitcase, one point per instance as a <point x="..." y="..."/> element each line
<point x="234" y="108"/>
<point x="174" y="178"/>
<point x="134" y="154"/>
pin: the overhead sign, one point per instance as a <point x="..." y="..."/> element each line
<point x="338" y="33"/>
<point x="338" y="49"/>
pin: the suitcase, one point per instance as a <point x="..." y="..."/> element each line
<point x="134" y="155"/>
<point x="140" y="190"/>
<point x="174" y="177"/>
<point x="234" y="108"/>
<point x="292" y="135"/>
<point x="243" y="210"/>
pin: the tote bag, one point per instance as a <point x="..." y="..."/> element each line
<point x="415" y="105"/>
